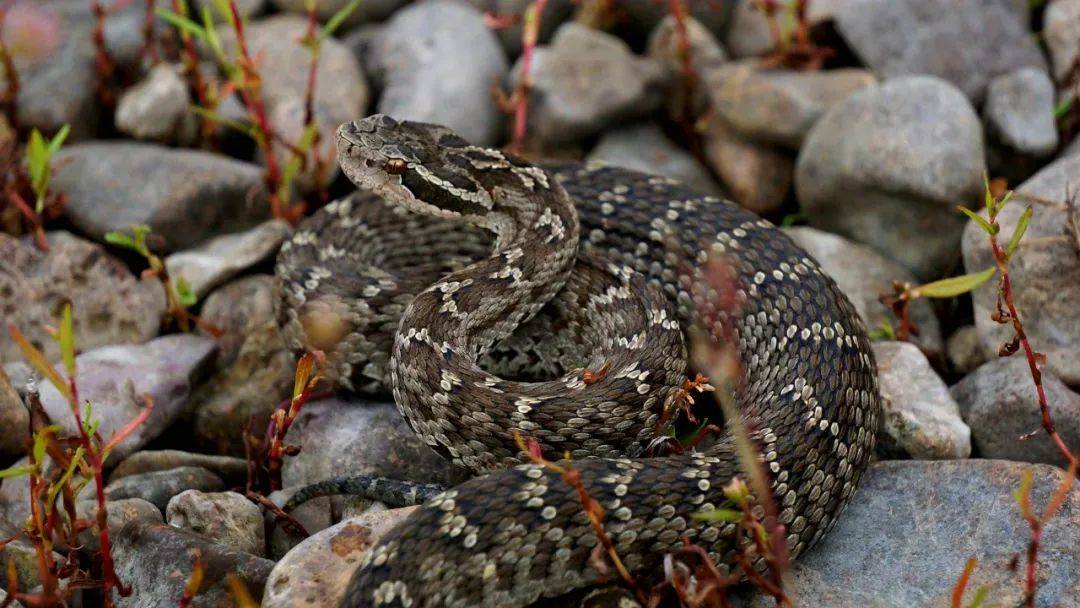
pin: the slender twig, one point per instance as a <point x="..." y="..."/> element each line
<point x="9" y="102"/>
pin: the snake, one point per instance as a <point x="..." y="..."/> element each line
<point x="500" y="299"/>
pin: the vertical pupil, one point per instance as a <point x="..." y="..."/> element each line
<point x="395" y="166"/>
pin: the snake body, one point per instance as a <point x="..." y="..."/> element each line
<point x="616" y="263"/>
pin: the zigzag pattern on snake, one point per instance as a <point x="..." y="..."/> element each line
<point x="613" y="261"/>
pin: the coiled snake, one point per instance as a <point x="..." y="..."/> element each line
<point x="364" y="283"/>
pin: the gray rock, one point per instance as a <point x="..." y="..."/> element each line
<point x="119" y="513"/>
<point x="159" y="487"/>
<point x="1061" y="21"/>
<point x="965" y="350"/>
<point x="185" y="196"/>
<point x="14" y="419"/>
<point x="108" y="304"/>
<point x="555" y="13"/>
<point x="221" y="258"/>
<point x="156" y="559"/>
<point x="758" y="176"/>
<point x="421" y="57"/>
<point x="156" y="109"/>
<point x="15" y="500"/>
<point x="966" y="42"/>
<point x="232" y="470"/>
<point x="644" y="147"/>
<point x="999" y="402"/>
<point x="367" y="11"/>
<point x="22" y="555"/>
<point x="225" y="517"/>
<point x="586" y="81"/>
<point x="341" y="91"/>
<point x="237" y="309"/>
<point x="340" y="437"/>
<point x="317" y="571"/>
<point x="1020" y="111"/>
<point x="912" y="525"/>
<point x="921" y="418"/>
<point x="705" y="54"/>
<point x="115" y="378"/>
<point x="863" y="275"/>
<point x="778" y="106"/>
<point x="748" y="35"/>
<point x="887" y="167"/>
<point x="1044" y="270"/>
<point x="314" y="515"/>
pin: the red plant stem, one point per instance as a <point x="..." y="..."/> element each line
<point x="677" y="8"/>
<point x="11" y="76"/>
<point x="312" y="35"/>
<point x="190" y="58"/>
<point x="149" y="48"/>
<point x="529" y="36"/>
<point x="106" y="67"/>
<point x="31" y="216"/>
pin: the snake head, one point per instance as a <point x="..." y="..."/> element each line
<point x="423" y="166"/>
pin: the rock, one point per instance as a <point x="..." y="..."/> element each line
<point x="367" y="11"/>
<point x="644" y="147"/>
<point x="966" y="42"/>
<point x="1020" y="123"/>
<point x="160" y="486"/>
<point x="912" y="525"/>
<point x="185" y="196"/>
<point x="108" y="304"/>
<point x="15" y="500"/>
<point x="420" y="57"/>
<point x="223" y="257"/>
<point x="748" y="35"/>
<point x="999" y="402"/>
<point x="115" y="378"/>
<point x="14" y="419"/>
<point x="225" y="517"/>
<point x="778" y="106"/>
<point x="317" y="571"/>
<point x="339" y="437"/>
<point x="119" y="513"/>
<point x="1061" y="21"/>
<point x="341" y="91"/>
<point x="22" y="555"/>
<point x="156" y="559"/>
<point x="232" y="470"/>
<point x="887" y="167"/>
<point x="314" y="515"/>
<point x="1044" y="270"/>
<point x="586" y="81"/>
<point x="255" y="373"/>
<point x="921" y="419"/>
<point x="705" y="54"/>
<point x="757" y="175"/>
<point x="863" y="275"/>
<point x="555" y="13"/>
<point x="156" y="109"/>
<point x="965" y="350"/>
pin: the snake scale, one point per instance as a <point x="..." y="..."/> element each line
<point x="614" y="261"/>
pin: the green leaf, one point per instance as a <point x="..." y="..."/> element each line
<point x="954" y="286"/>
<point x="181" y="23"/>
<point x="17" y="471"/>
<point x="1021" y="228"/>
<point x="728" y="515"/>
<point x="883" y="333"/>
<point x="1061" y="109"/>
<point x="40" y="441"/>
<point x="980" y="597"/>
<point x="236" y="125"/>
<point x="67" y="341"/>
<point x="186" y="295"/>
<point x="55" y="488"/>
<point x="58" y="140"/>
<point x="978" y="219"/>
<point x="988" y="201"/>
<point x="120" y="240"/>
<point x="37" y="160"/>
<point x="338" y="18"/>
<point x="212" y="36"/>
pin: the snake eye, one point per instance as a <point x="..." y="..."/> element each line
<point x="394" y="166"/>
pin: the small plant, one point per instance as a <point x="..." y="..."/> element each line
<point x="39" y="154"/>
<point x="517" y="102"/>
<point x="308" y="376"/>
<point x="789" y="28"/>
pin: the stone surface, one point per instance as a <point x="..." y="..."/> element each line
<point x="115" y="378"/>
<point x="227" y="518"/>
<point x="921" y="418"/>
<point x="159" y="487"/>
<point x="13" y="419"/>
<point x="999" y="402"/>
<point x="23" y="557"/>
<point x="705" y="54"/>
<point x="965" y="350"/>
<point x="369" y="10"/>
<point x="1044" y="270"/>
<point x="758" y="176"/>
<point x="156" y="560"/>
<point x="863" y="275"/>
<point x="317" y="571"/>
<point x="119" y="514"/>
<point x="238" y="308"/>
<point x="887" y="167"/>
<point x="156" y="109"/>
<point x="341" y="91"/>
<point x="967" y="42"/>
<point x="644" y="147"/>
<point x="1019" y="111"/>
<point x="912" y="525"/>
<point x="212" y="263"/>
<point x="586" y="81"/>
<point x="108" y="304"/>
<point x="778" y="106"/>
<point x="1061" y="21"/>
<point x="185" y="196"/>
<point x="419" y="58"/>
<point x="232" y="470"/>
